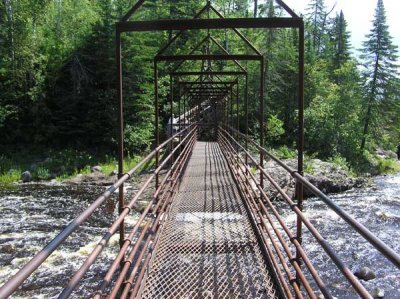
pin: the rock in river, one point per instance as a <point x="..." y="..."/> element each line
<point x="365" y="274"/>
<point x="26" y="177"/>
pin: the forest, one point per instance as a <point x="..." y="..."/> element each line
<point x="58" y="81"/>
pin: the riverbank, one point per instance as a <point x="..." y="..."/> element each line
<point x="72" y="167"/>
<point x="63" y="166"/>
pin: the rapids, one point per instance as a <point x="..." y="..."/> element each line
<point x="31" y="215"/>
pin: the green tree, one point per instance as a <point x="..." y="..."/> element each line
<point x="380" y="70"/>
<point x="340" y="39"/>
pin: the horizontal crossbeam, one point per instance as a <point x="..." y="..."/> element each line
<point x="230" y="23"/>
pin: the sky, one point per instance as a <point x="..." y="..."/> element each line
<point x="359" y="15"/>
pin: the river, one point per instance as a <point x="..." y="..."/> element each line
<point x="31" y="215"/>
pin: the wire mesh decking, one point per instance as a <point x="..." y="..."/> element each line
<point x="208" y="248"/>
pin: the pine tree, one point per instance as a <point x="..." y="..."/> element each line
<point x="340" y="41"/>
<point x="379" y="56"/>
<point x="317" y="19"/>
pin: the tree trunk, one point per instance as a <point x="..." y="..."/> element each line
<point x="255" y="8"/>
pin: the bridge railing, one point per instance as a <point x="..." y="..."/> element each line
<point x="140" y="242"/>
<point x="283" y="247"/>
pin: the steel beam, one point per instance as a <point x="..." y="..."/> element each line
<point x="188" y="24"/>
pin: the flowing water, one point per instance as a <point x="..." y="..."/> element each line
<point x="31" y="215"/>
<point x="377" y="208"/>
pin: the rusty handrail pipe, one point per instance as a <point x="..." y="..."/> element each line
<point x="326" y="246"/>
<point x="116" y="261"/>
<point x="112" y="230"/>
<point x="389" y="253"/>
<point x="130" y="281"/>
<point x="291" y="237"/>
<point x="282" y="242"/>
<point x="17" y="279"/>
<point x="272" y="257"/>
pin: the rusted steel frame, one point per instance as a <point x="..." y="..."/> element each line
<point x="206" y="82"/>
<point x="121" y="200"/>
<point x="359" y="288"/>
<point x="167" y="158"/>
<point x="162" y="50"/>
<point x="226" y="52"/>
<point x="129" y="282"/>
<point x="186" y="24"/>
<point x="265" y="245"/>
<point x="231" y="107"/>
<point x="389" y="253"/>
<point x="157" y="131"/>
<point x="73" y="283"/>
<point x="195" y="48"/>
<point x="128" y="261"/>
<point x="208" y="73"/>
<point x="261" y="119"/>
<point x="171" y="107"/>
<point x="297" y="244"/>
<point x="136" y="266"/>
<point x="195" y="57"/>
<point x="129" y="239"/>
<point x="132" y="10"/>
<point x="300" y="133"/>
<point x="15" y="281"/>
<point x="246" y="41"/>
<point x="179" y="109"/>
<point x="246" y="114"/>
<point x="207" y="88"/>
<point x="283" y="243"/>
<point x="237" y="116"/>
<point x="167" y="199"/>
<point x="288" y="10"/>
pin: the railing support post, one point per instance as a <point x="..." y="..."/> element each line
<point x="237" y="121"/>
<point x="171" y="101"/>
<point x="121" y="201"/>
<point x="261" y="118"/>
<point x="246" y="117"/>
<point x="157" y="133"/>
<point x="300" y="139"/>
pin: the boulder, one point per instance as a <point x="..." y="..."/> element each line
<point x="365" y="273"/>
<point x="326" y="176"/>
<point x="114" y="172"/>
<point x="96" y="168"/>
<point x="378" y="293"/>
<point x="26" y="177"/>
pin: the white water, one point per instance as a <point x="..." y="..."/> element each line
<point x="378" y="209"/>
<point x="31" y="216"/>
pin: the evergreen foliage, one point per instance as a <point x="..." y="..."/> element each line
<point x="380" y="75"/>
<point x="57" y="76"/>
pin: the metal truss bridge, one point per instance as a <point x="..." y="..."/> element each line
<point x="210" y="228"/>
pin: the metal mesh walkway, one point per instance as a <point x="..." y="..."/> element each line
<point x="208" y="248"/>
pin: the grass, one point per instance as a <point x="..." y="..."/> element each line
<point x="387" y="166"/>
<point x="60" y="165"/>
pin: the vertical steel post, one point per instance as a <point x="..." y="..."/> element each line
<point x="172" y="127"/>
<point x="184" y="113"/>
<point x="246" y="116"/>
<point x="157" y="133"/>
<point x="237" y="121"/>
<point x="231" y="107"/>
<point x="121" y="201"/>
<point x="179" y="112"/>
<point x="261" y="117"/>
<point x="300" y="137"/>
